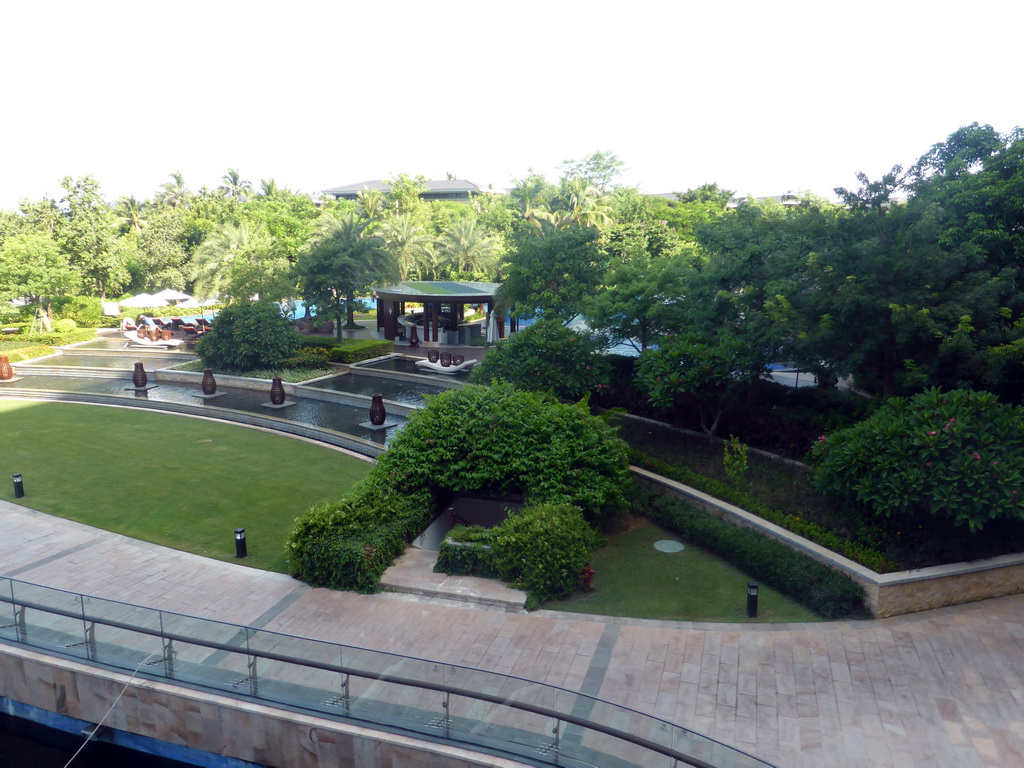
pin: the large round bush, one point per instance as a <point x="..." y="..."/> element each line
<point x="547" y="357"/>
<point x="247" y="337"/>
<point x="956" y="455"/>
<point x="503" y="440"/>
<point x="543" y="550"/>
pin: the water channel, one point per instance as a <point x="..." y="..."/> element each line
<point x="339" y="402"/>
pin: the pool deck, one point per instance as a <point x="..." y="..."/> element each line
<point x="937" y="689"/>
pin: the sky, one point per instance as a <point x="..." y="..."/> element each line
<point x="762" y="98"/>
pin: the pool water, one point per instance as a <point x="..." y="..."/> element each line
<point x="397" y="390"/>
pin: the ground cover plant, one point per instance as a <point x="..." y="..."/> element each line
<point x="634" y="579"/>
<point x="180" y="482"/>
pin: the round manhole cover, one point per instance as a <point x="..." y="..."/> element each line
<point x="668" y="545"/>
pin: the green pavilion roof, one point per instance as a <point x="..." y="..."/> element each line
<point x="413" y="290"/>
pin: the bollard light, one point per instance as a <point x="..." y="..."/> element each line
<point x="751" y="600"/>
<point x="240" y="548"/>
<point x="19" y="486"/>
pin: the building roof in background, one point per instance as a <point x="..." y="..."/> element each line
<point x="448" y="185"/>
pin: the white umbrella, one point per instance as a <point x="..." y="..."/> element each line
<point x="189" y="304"/>
<point x="169" y="294"/>
<point x="143" y="300"/>
<point x="492" y="328"/>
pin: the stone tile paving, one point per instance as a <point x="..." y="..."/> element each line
<point x="941" y="688"/>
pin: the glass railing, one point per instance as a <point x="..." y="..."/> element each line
<point x="471" y="708"/>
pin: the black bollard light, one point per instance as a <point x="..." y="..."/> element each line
<point x="752" y="600"/>
<point x="240" y="549"/>
<point x="19" y="486"/>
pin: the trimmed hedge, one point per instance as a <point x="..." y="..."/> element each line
<point x="468" y="552"/>
<point x="826" y="591"/>
<point x="347" y="350"/>
<point x="856" y="551"/>
<point x="348" y="544"/>
<point x="20" y="354"/>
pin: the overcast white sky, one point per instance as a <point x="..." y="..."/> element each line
<point x="761" y="97"/>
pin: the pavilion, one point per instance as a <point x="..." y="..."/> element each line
<point x="444" y="308"/>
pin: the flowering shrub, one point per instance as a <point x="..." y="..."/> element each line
<point x="955" y="455"/>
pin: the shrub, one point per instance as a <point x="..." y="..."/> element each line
<point x="502" y="441"/>
<point x="354" y="350"/>
<point x="247" y="336"/>
<point x="824" y="590"/>
<point x="86" y="311"/>
<point x="349" y="544"/>
<point x="542" y="550"/>
<point x="25" y="353"/>
<point x="547" y="357"/>
<point x="67" y="325"/>
<point x="953" y="455"/>
<point x="468" y="551"/>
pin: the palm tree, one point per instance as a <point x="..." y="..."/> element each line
<point x="174" y="193"/>
<point x="530" y="195"/>
<point x="342" y="258"/>
<point x="369" y="203"/>
<point x="471" y="251"/>
<point x="129" y="214"/>
<point x="269" y="188"/>
<point x="235" y="186"/>
<point x="411" y="246"/>
<point x="579" y="202"/>
<point x="211" y="265"/>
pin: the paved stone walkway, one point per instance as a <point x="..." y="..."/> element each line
<point x="937" y="689"/>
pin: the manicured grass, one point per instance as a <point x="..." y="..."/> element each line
<point x="634" y="579"/>
<point x="182" y="482"/>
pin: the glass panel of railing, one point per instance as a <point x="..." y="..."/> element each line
<point x="193" y="629"/>
<point x="714" y="752"/>
<point x="136" y="616"/>
<point x="498" y="726"/>
<point x="231" y="672"/>
<point x="45" y="597"/>
<point x="627" y="725"/>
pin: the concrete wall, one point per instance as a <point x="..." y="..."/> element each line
<point x="889" y="594"/>
<point x="214" y="724"/>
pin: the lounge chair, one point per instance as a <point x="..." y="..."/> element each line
<point x="135" y="340"/>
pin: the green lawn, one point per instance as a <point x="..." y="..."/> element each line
<point x="634" y="579"/>
<point x="182" y="482"/>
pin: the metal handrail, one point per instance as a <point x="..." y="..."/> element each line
<point x="371" y="675"/>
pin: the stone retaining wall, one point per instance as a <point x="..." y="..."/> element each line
<point x="888" y="594"/>
<point x="214" y="724"/>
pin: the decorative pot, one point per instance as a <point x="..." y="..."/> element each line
<point x="209" y="383"/>
<point x="377" y="412"/>
<point x="277" y="391"/>
<point x="446" y="359"/>
<point x="6" y="369"/>
<point x="414" y="338"/>
<point x="139" y="378"/>
<point x="154" y="334"/>
<point x="166" y="334"/>
<point x="433" y="355"/>
<point x="141" y="332"/>
<point x="458" y="359"/>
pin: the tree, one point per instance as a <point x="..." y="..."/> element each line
<point x="174" y="193"/>
<point x="129" y="214"/>
<point x="690" y="373"/>
<point x="580" y="203"/>
<point x="553" y="274"/>
<point x="370" y="204"/>
<point x="235" y="187"/>
<point x="472" y="253"/>
<point x="342" y="260"/>
<point x="88" y="236"/>
<point x="239" y="261"/>
<point x="530" y="196"/>
<point x="32" y="266"/>
<point x="410" y="245"/>
<point x="597" y="169"/>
